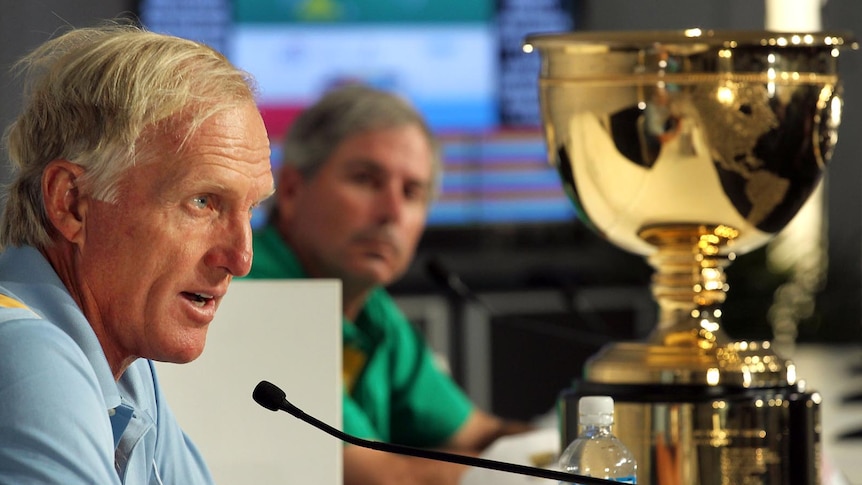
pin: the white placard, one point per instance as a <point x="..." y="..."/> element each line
<point x="289" y="333"/>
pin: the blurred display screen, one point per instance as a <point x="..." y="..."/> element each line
<point x="459" y="62"/>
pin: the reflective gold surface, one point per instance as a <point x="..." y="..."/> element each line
<point x="688" y="130"/>
<point x="689" y="148"/>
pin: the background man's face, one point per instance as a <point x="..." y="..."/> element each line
<point x="361" y="216"/>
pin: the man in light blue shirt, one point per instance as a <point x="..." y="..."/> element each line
<point x="138" y="158"/>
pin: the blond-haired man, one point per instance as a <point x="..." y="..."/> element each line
<point x="138" y="158"/>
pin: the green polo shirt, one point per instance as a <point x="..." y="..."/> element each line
<point x="393" y="391"/>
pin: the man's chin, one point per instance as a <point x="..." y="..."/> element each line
<point x="185" y="349"/>
<point x="184" y="356"/>
<point x="374" y="275"/>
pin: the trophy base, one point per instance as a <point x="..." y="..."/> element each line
<point x="710" y="435"/>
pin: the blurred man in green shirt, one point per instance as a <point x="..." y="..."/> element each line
<point x="360" y="169"/>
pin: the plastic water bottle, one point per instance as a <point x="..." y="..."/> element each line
<point x="596" y="452"/>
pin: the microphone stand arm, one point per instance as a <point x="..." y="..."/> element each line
<point x="443" y="456"/>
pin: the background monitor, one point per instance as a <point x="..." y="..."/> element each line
<point x="460" y="63"/>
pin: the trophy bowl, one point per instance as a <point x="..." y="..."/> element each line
<point x="690" y="148"/>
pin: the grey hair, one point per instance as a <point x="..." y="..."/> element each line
<point x="91" y="95"/>
<point x="347" y="111"/>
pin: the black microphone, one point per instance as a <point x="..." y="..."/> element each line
<point x="452" y="282"/>
<point x="273" y="398"/>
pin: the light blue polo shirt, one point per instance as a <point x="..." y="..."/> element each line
<point x="63" y="418"/>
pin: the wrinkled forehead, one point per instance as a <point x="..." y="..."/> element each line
<point x="174" y="134"/>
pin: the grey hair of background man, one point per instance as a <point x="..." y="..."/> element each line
<point x="95" y="96"/>
<point x="347" y="111"/>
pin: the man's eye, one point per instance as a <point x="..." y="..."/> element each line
<point x="416" y="192"/>
<point x="201" y="201"/>
<point x="362" y="178"/>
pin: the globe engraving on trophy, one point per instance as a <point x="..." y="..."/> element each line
<point x="689" y="148"/>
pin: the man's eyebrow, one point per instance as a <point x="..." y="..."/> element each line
<point x="364" y="162"/>
<point x="367" y="163"/>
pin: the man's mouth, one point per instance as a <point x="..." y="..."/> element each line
<point x="381" y="246"/>
<point x="198" y="299"/>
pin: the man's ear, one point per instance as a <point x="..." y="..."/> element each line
<point x="290" y="182"/>
<point x="65" y="206"/>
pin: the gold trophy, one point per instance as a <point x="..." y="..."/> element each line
<point x="689" y="148"/>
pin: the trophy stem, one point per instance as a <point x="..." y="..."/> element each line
<point x="689" y="284"/>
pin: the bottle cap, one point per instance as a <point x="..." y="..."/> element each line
<point x="596" y="410"/>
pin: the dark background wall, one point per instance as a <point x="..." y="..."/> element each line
<point x="26" y="23"/>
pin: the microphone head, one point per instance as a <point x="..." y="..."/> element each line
<point x="268" y="395"/>
<point x="438" y="271"/>
<point x="441" y="275"/>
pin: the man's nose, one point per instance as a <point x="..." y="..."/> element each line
<point x="391" y="202"/>
<point x="234" y="250"/>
